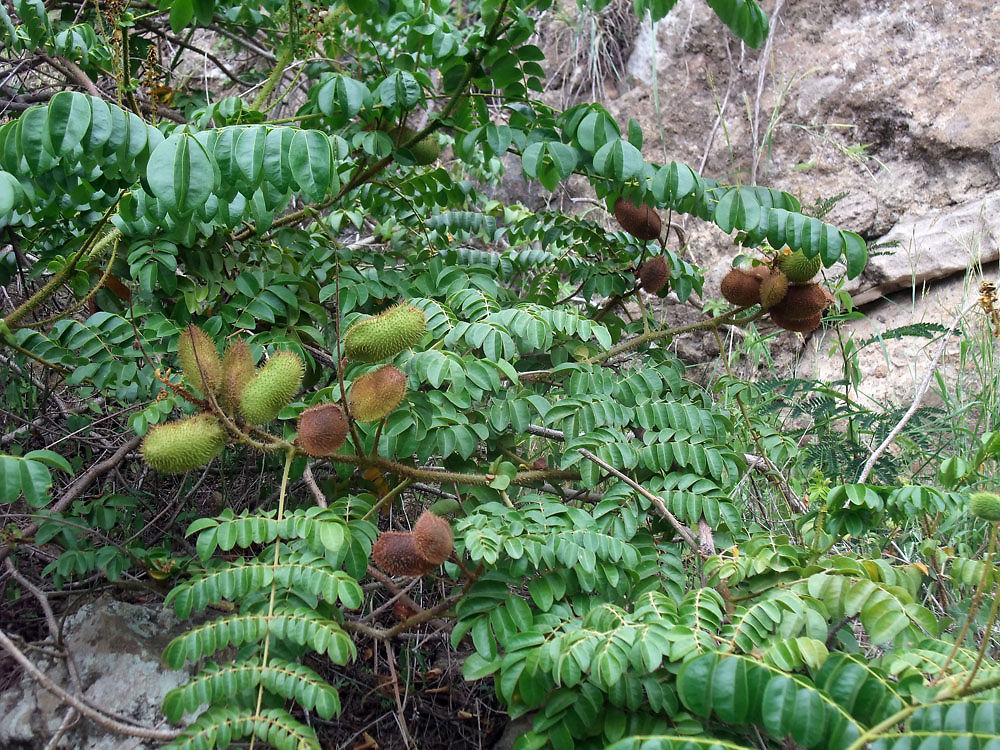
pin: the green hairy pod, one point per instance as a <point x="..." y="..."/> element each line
<point x="199" y="360"/>
<point x="985" y="505"/>
<point x="797" y="267"/>
<point x="375" y="394"/>
<point x="237" y="370"/>
<point x="385" y="335"/>
<point x="183" y="445"/>
<point x="272" y="388"/>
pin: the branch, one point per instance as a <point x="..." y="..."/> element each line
<point x="187" y="45"/>
<point x="419" y="618"/>
<point x="521" y="478"/>
<point x="645" y="338"/>
<point x="72" y="71"/>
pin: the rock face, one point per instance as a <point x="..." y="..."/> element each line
<point x="117" y="649"/>
<point x="888" y="107"/>
<point x="893" y="103"/>
<point x="931" y="246"/>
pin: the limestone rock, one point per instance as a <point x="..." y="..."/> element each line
<point x="117" y="648"/>
<point x="932" y="246"/>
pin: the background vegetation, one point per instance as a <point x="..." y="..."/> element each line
<point x="642" y="558"/>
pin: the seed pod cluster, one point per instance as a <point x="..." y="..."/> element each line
<point x="785" y="289"/>
<point x="417" y="552"/>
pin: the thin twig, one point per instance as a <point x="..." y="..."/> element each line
<point x="661" y="507"/>
<point x="43" y="679"/>
<point x="391" y="662"/>
<point x="918" y="397"/>
<point x="80" y="485"/>
<point x="310" y="481"/>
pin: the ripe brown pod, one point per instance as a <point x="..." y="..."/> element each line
<point x="432" y="538"/>
<point x="322" y="429"/>
<point x="653" y="274"/>
<point x="395" y="553"/>
<point x="641" y="222"/>
<point x="803" y="301"/>
<point x="798" y="326"/>
<point x="773" y="289"/>
<point x="741" y="288"/>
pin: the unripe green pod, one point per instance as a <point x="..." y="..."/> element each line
<point x="176" y="447"/>
<point x="425" y="151"/>
<point x="797" y="267"/>
<point x="375" y="394"/>
<point x="985" y="505"/>
<point x="272" y="388"/>
<point x="199" y="360"/>
<point x="237" y="370"/>
<point x="385" y="335"/>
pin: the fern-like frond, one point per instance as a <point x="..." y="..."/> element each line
<point x="307" y="572"/>
<point x="215" y="683"/>
<point x="300" y="626"/>
<point x="220" y="727"/>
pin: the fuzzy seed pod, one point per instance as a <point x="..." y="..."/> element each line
<point x="653" y="274"/>
<point x="803" y="301"/>
<point x="799" y="326"/>
<point x="395" y="553"/>
<point x="272" y="388"/>
<point x="985" y="505"/>
<point x="375" y="394"/>
<point x="432" y="538"/>
<point x="322" y="429"/>
<point x="385" y="335"/>
<point x="773" y="288"/>
<point x="425" y="151"/>
<point x="237" y="370"/>
<point x="641" y="222"/>
<point x="741" y="288"/>
<point x="183" y="445"/>
<point x="199" y="360"/>
<point x="797" y="267"/>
